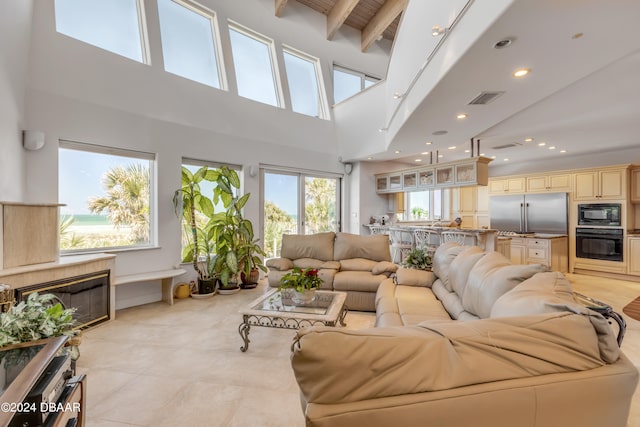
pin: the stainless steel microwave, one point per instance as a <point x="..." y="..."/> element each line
<point x="600" y="214"/>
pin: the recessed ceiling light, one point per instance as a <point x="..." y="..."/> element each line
<point x="506" y="159"/>
<point x="482" y="154"/>
<point x="440" y="156"/>
<point x="418" y="160"/>
<point x="528" y="139"/>
<point x="369" y="158"/>
<point x="503" y="43"/>
<point x="453" y="147"/>
<point x="428" y="143"/>
<point x="552" y="148"/>
<point x="398" y="151"/>
<point x="521" y="72"/>
<point x="461" y="116"/>
<point x="397" y="95"/>
<point x="383" y="129"/>
<point x="563" y="151"/>
<point x="542" y="144"/>
<point x="424" y="153"/>
<point x="467" y="150"/>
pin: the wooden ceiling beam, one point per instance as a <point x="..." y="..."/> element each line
<point x="385" y="16"/>
<point x="337" y="15"/>
<point x="280" y="5"/>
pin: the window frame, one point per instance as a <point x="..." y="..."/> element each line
<point x="275" y="72"/>
<point x="323" y="104"/>
<point x="215" y="34"/>
<point x="153" y="181"/>
<point x="145" y="50"/>
<point x="431" y="192"/>
<point x="363" y="77"/>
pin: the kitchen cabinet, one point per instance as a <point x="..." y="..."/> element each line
<point x="554" y="182"/>
<point x="552" y="252"/>
<point x="426" y="178"/>
<point x="472" y="206"/>
<point x="382" y="183"/>
<point x="507" y="185"/>
<point x="635" y="185"/>
<point x="633" y="251"/>
<point x="474" y="171"/>
<point x="601" y="184"/>
<point x="409" y="181"/>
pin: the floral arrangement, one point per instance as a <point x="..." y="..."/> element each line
<point x="418" y="259"/>
<point x="301" y="280"/>
<point x="35" y="319"/>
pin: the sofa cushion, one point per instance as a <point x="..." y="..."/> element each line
<point x="442" y="259"/>
<point x="461" y="266"/>
<point x="384" y="267"/>
<point x="307" y="263"/>
<point x="491" y="277"/>
<point x="450" y="300"/>
<point x="418" y="304"/>
<point x="349" y="245"/>
<point x="413" y="277"/>
<point x="280" y="264"/>
<point x="542" y="293"/>
<point x="357" y="281"/>
<point x="318" y="246"/>
<point x="333" y="265"/>
<point x="357" y="264"/>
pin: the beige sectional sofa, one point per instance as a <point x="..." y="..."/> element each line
<point x="479" y="342"/>
<point x="346" y="262"/>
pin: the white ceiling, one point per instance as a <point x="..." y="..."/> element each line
<point x="582" y="96"/>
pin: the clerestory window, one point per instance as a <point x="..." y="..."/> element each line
<point x="190" y="42"/>
<point x="115" y="25"/>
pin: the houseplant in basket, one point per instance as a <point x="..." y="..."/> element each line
<point x="302" y="283"/>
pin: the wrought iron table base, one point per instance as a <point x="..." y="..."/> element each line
<point x="267" y="321"/>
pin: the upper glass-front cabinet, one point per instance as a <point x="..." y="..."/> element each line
<point x="474" y="171"/>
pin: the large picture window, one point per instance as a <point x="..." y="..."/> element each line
<point x="113" y="25"/>
<point x="253" y="59"/>
<point x="190" y="42"/>
<point x="107" y="195"/>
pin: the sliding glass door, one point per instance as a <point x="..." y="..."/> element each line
<point x="298" y="203"/>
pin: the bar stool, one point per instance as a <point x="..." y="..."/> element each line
<point x="461" y="237"/>
<point x="401" y="243"/>
<point x="425" y="238"/>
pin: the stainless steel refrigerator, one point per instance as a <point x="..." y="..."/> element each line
<point x="530" y="213"/>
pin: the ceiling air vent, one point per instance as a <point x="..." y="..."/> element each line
<point x="485" y="98"/>
<point x="509" y="145"/>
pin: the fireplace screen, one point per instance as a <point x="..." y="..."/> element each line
<point x="88" y="293"/>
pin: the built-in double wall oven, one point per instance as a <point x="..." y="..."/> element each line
<point x="600" y="235"/>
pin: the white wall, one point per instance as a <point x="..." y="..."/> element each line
<point x="81" y="93"/>
<point x="15" y="30"/>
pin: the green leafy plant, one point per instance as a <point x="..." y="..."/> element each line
<point x="37" y="318"/>
<point x="301" y="280"/>
<point x="418" y="259"/>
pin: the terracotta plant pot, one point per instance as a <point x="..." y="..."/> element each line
<point x="251" y="281"/>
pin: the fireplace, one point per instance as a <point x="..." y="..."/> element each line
<point x="88" y="293"/>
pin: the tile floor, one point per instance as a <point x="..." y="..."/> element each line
<point x="160" y="365"/>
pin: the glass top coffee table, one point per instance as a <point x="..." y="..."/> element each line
<point x="272" y="310"/>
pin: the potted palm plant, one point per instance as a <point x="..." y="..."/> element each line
<point x="196" y="209"/>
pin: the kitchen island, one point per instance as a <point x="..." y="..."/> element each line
<point x="485" y="238"/>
